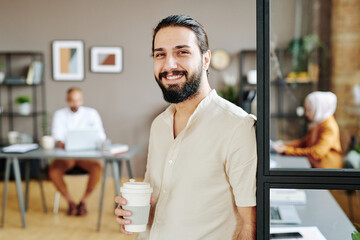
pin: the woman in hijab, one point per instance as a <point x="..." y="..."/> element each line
<point x="321" y="145"/>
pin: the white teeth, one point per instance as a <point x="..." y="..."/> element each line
<point x="173" y="77"/>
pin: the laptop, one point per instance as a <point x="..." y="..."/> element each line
<point x="284" y="214"/>
<point x="82" y="139"/>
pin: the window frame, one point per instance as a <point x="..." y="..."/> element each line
<point x="340" y="179"/>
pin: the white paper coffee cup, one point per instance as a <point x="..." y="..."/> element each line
<point x="13" y="137"/>
<point x="47" y="142"/>
<point x="137" y="195"/>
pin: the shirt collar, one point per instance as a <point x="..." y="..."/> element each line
<point x="169" y="112"/>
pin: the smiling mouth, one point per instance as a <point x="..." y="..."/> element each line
<point x="173" y="77"/>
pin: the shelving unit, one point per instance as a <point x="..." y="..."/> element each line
<point x="17" y="65"/>
<point x="284" y="96"/>
<point x="247" y="60"/>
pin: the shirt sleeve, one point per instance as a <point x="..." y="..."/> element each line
<point x="296" y="143"/>
<point x="241" y="163"/>
<point x="58" y="129"/>
<point x="319" y="150"/>
<point x="97" y="123"/>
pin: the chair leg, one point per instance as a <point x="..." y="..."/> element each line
<point x="56" y="202"/>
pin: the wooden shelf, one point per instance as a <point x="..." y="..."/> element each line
<point x="278" y="82"/>
<point x="299" y="80"/>
<point x="16" y="114"/>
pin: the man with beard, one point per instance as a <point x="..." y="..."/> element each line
<point x="202" y="149"/>
<point x="75" y="116"/>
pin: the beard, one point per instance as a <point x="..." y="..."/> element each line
<point x="74" y="109"/>
<point x="180" y="92"/>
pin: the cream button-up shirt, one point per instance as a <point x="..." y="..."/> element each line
<point x="203" y="174"/>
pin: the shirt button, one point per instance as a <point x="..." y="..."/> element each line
<point x="157" y="221"/>
<point x="171" y="161"/>
<point x="164" y="191"/>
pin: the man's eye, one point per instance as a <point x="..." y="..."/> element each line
<point x="159" y="55"/>
<point x="183" y="52"/>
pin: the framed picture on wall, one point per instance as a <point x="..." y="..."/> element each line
<point x="106" y="59"/>
<point x="68" y="60"/>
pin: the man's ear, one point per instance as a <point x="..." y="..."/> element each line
<point x="206" y="59"/>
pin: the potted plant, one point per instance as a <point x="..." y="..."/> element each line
<point x="24" y="106"/>
<point x="305" y="57"/>
<point x="229" y="92"/>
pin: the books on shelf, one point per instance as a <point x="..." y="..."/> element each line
<point x="15" y="81"/>
<point x="35" y="72"/>
<point x="115" y="149"/>
<point x="30" y="74"/>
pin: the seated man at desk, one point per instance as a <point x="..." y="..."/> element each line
<point x="321" y="145"/>
<point x="75" y="116"/>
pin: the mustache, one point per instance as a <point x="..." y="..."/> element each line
<point x="176" y="72"/>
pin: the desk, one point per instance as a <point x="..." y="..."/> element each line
<point x="283" y="161"/>
<point x="321" y="208"/>
<point x="13" y="158"/>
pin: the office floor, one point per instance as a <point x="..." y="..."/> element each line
<point x="59" y="226"/>
<point x="52" y="226"/>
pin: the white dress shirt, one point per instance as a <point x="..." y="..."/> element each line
<point x="201" y="176"/>
<point x="85" y="117"/>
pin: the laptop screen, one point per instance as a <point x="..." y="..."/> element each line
<point x="82" y="139"/>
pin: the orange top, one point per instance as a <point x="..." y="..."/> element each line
<point x="321" y="145"/>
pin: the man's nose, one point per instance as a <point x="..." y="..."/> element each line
<point x="170" y="63"/>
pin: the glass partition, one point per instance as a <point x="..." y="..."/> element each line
<point x="284" y="78"/>
<point x="314" y="214"/>
<point x="304" y="58"/>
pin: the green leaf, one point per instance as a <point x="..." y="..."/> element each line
<point x="230" y="93"/>
<point x="302" y="50"/>
<point x="355" y="235"/>
<point x="22" y="99"/>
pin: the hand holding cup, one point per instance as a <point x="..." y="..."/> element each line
<point x="121" y="213"/>
<point x="134" y="206"/>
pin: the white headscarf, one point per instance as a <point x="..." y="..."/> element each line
<point x="322" y="104"/>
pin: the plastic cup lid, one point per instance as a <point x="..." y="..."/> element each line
<point x="136" y="187"/>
